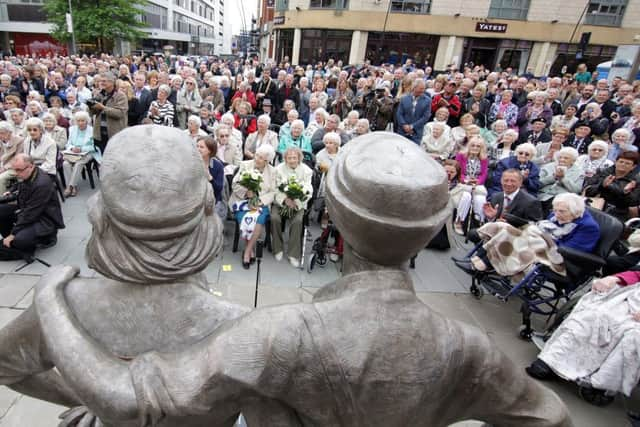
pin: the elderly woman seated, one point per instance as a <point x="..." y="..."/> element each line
<point x="362" y="127"/>
<point x="474" y="167"/>
<point x="292" y="170"/>
<point x="494" y="136"/>
<point x="597" y="344"/>
<point x="251" y="208"/>
<point x="326" y="156"/>
<point x="510" y="251"/>
<point x="618" y="186"/>
<point x="40" y="147"/>
<point x="503" y="146"/>
<point x="523" y="161"/>
<point x="349" y="124"/>
<point x="620" y="143"/>
<point x="546" y="151"/>
<point x="438" y="143"/>
<point x="295" y="138"/>
<point x="194" y="128"/>
<point x="79" y="151"/>
<point x="227" y="152"/>
<point x="260" y="137"/>
<point x="595" y="160"/>
<point x="560" y="176"/>
<point x="320" y="116"/>
<point x="441" y="116"/>
<point x="235" y="137"/>
<point x="57" y="133"/>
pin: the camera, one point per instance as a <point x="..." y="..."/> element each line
<point x="91" y="102"/>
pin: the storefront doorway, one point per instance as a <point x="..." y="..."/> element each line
<point x="491" y="52"/>
<point x="396" y="48"/>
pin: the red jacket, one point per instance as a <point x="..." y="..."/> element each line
<point x="251" y="98"/>
<point x="455" y="105"/>
<point x="628" y="277"/>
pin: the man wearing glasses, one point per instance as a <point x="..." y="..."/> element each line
<point x="109" y="110"/>
<point x="35" y="218"/>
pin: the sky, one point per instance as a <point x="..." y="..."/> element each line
<point x="235" y="8"/>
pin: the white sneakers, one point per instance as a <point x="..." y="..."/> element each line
<point x="293" y="261"/>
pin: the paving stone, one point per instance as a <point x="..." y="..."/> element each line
<point x="28" y="412"/>
<point x="14" y="287"/>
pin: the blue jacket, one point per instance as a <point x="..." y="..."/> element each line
<point x="416" y="117"/>
<point x="531" y="183"/>
<point x="584" y="237"/>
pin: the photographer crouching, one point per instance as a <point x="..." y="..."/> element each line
<point x="109" y="110"/>
<point x="36" y="217"/>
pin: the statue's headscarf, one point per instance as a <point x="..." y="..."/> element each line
<point x="152" y="220"/>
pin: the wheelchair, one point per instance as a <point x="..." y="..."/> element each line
<point x="542" y="291"/>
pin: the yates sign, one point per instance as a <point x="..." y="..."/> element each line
<point x="488" y="27"/>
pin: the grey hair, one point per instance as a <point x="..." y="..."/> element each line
<point x="227" y="116"/>
<point x="6" y="127"/>
<point x="294" y="112"/>
<point x="16" y="110"/>
<point x="624" y="131"/>
<point x="297" y="122"/>
<point x="353" y="113"/>
<point x="322" y="112"/>
<point x="196" y="119"/>
<point x="46" y="116"/>
<point x="333" y="137"/>
<point x="570" y="151"/>
<point x="82" y="115"/>
<point x="265" y="118"/>
<point x="600" y="144"/>
<point x="266" y="151"/>
<point x="527" y="146"/>
<point x="512" y="132"/>
<point x="165" y="88"/>
<point x="574" y="202"/>
<point x="34" y="121"/>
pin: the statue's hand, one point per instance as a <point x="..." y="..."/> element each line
<point x="151" y="393"/>
<point x="80" y="416"/>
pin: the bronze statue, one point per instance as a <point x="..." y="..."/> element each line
<point x="364" y="352"/>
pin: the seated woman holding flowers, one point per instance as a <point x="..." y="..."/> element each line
<point x="252" y="192"/>
<point x="294" y="189"/>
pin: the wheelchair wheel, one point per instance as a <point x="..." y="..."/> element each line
<point x="595" y="396"/>
<point x="312" y="263"/>
<point x="525" y="332"/>
<point x="476" y="291"/>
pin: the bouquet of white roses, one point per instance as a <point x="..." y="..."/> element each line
<point x="252" y="181"/>
<point x="294" y="191"/>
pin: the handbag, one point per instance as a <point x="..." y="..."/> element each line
<point x="71" y="158"/>
<point x="596" y="202"/>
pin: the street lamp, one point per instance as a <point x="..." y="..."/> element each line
<point x="70" y="29"/>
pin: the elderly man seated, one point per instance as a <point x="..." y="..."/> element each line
<point x="10" y="145"/>
<point x="35" y="218"/>
<point x="597" y="345"/>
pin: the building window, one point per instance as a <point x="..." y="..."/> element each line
<point x="282" y="5"/>
<point x="606" y="12"/>
<point x="329" y="4"/>
<point x="404" y="6"/>
<point x="509" y="9"/>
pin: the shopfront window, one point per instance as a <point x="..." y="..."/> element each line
<point x="329" y="4"/>
<point x="416" y="6"/>
<point x="566" y="61"/>
<point x="509" y="9"/>
<point x="284" y="46"/>
<point x="606" y="12"/>
<point x="282" y="5"/>
<point x="396" y="48"/>
<point x="321" y="45"/>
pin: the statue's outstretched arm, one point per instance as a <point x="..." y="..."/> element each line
<point x="101" y="380"/>
<point x="216" y="374"/>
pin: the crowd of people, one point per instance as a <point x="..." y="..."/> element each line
<point x="268" y="133"/>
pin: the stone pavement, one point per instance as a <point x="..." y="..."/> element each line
<point x="438" y="283"/>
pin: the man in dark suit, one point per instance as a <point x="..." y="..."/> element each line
<point x="414" y="110"/>
<point x="144" y="97"/>
<point x="513" y="204"/>
<point x="602" y="99"/>
<point x="538" y="133"/>
<point x="287" y="91"/>
<point x="580" y="138"/>
<point x="266" y="89"/>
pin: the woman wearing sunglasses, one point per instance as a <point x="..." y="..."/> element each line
<point x="523" y="161"/>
